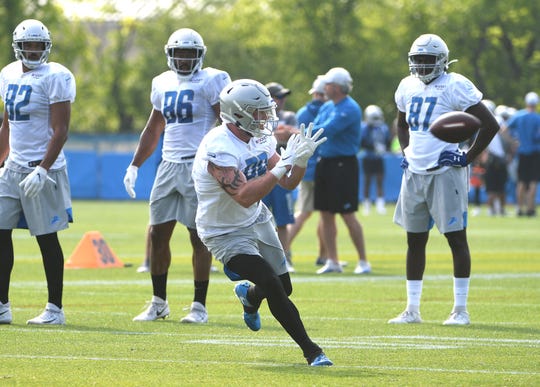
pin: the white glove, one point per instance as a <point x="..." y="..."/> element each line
<point x="34" y="182"/>
<point x="129" y="180"/>
<point x="287" y="157"/>
<point x="307" y="144"/>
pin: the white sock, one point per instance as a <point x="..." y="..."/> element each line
<point x="414" y="293"/>
<point x="461" y="292"/>
<point x="158" y="300"/>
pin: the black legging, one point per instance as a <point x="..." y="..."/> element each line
<point x="276" y="290"/>
<point x="53" y="263"/>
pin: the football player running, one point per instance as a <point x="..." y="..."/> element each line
<point x="235" y="167"/>
<point x="434" y="183"/>
<point x="34" y="186"/>
<point x="185" y="106"/>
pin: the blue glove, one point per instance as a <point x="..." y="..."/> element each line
<point x="453" y="159"/>
<point x="404" y="163"/>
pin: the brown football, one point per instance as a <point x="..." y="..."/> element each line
<point x="455" y="127"/>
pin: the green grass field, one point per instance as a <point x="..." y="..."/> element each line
<point x="346" y="314"/>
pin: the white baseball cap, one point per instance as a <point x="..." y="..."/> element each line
<point x="338" y="75"/>
<point x="531" y="99"/>
<point x="318" y="85"/>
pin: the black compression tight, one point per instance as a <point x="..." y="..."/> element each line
<point x="6" y="264"/>
<point x="53" y="263"/>
<point x="276" y="290"/>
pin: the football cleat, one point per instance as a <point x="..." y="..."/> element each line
<point x="52" y="315"/>
<point x="458" y="318"/>
<point x="197" y="314"/>
<point x="158" y="308"/>
<point x="5" y="313"/>
<point x="252" y="320"/>
<point x="363" y="267"/>
<point x="143" y="268"/>
<point x="406" y="318"/>
<point x="321" y="360"/>
<point x="330" y="267"/>
<point x="290" y="267"/>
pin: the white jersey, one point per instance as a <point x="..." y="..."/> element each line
<point x="27" y="98"/>
<point x="422" y="104"/>
<point x="187" y="109"/>
<point x="217" y="212"/>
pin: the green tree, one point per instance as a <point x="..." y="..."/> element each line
<point x="289" y="41"/>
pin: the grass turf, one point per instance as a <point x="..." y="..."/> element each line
<point x="345" y="313"/>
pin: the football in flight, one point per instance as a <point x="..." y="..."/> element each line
<point x="455" y="127"/>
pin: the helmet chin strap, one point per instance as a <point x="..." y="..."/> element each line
<point x="450" y="62"/>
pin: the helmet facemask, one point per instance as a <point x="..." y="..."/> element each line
<point x="185" y="52"/>
<point x="427" y="67"/>
<point x="30" y="32"/>
<point x="185" y="61"/>
<point x="428" y="57"/>
<point x="256" y="121"/>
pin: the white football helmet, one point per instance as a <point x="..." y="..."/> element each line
<point x="248" y="104"/>
<point x="490" y="105"/>
<point x="31" y="30"/>
<point x="433" y="45"/>
<point x="185" y="39"/>
<point x="374" y="115"/>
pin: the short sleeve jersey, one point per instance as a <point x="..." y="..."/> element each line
<point x="187" y="109"/>
<point x="27" y="98"/>
<point x="422" y="104"/>
<point x="217" y="212"/>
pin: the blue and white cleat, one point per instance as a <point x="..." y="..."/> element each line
<point x="252" y="320"/>
<point x="321" y="360"/>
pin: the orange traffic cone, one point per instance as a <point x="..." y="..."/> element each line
<point x="92" y="252"/>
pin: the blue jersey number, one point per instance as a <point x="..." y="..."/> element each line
<point x="420" y="113"/>
<point x="178" y="107"/>
<point x="256" y="166"/>
<point x="14" y="108"/>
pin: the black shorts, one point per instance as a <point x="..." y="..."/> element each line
<point x="336" y="185"/>
<point x="373" y="165"/>
<point x="529" y="168"/>
<point x="496" y="174"/>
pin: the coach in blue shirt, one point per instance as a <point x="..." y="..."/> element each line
<point x="337" y="172"/>
<point x="524" y="126"/>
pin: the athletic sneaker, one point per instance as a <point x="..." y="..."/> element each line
<point x="458" y="318"/>
<point x="321" y="360"/>
<point x="143" y="268"/>
<point x="252" y="320"/>
<point x="158" y="308"/>
<point x="290" y="267"/>
<point x="381" y="206"/>
<point x="52" y="315"/>
<point x="197" y="314"/>
<point x="330" y="267"/>
<point x="406" y="318"/>
<point x="367" y="207"/>
<point x="363" y="267"/>
<point x="5" y="313"/>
